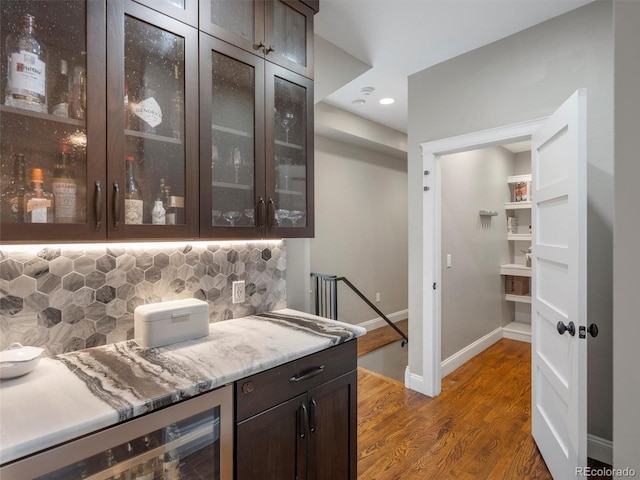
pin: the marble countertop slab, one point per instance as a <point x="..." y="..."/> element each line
<point x="77" y="393"/>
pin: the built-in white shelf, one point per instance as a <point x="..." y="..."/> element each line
<point x="517" y="331"/>
<point x="519" y="237"/>
<point x="517" y="298"/>
<point x="517" y="205"/>
<point x="515" y="269"/>
<point x="232" y="131"/>
<point x="519" y="178"/>
<point x="235" y="186"/>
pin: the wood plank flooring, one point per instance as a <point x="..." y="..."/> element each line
<point x="478" y="428"/>
<point x="380" y="337"/>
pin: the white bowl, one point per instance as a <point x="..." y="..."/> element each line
<point x="17" y="360"/>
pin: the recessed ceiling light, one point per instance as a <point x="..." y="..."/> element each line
<point x="359" y="101"/>
<point x="387" y="101"/>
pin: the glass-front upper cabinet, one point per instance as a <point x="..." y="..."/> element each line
<point x="51" y="146"/>
<point x="280" y="31"/>
<point x="152" y="124"/>
<point x="232" y="141"/>
<point x="289" y="154"/>
<point x="184" y="10"/>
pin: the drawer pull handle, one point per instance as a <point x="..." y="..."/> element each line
<point x="313" y="406"/>
<point x="307" y="374"/>
<point x="303" y="421"/>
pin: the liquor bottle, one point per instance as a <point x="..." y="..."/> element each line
<point x="26" y="69"/>
<point x="169" y="206"/>
<point x="176" y="106"/>
<point x="78" y="100"/>
<point x="13" y="195"/>
<point x="158" y="213"/>
<point x="38" y="203"/>
<point x="64" y="188"/>
<point x="147" y="109"/>
<point x="59" y="97"/>
<point x="133" y="203"/>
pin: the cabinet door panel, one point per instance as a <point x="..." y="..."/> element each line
<point x="289" y="35"/>
<point x="58" y="109"/>
<point x="239" y="23"/>
<point x="153" y="118"/>
<point x="289" y="154"/>
<point x="273" y="444"/>
<point x="184" y="10"/>
<point x="232" y="141"/>
<point x="333" y="429"/>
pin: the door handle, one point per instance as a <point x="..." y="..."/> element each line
<point x="593" y="331"/>
<point x="307" y="374"/>
<point x="303" y="420"/>
<point x="97" y="205"/>
<point x="269" y="49"/>
<point x="259" y="46"/>
<point x="260" y="213"/>
<point x="313" y="407"/>
<point x="116" y="205"/>
<point x="571" y="328"/>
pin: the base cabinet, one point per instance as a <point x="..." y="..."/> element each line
<point x="310" y="434"/>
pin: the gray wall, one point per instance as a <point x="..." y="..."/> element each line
<point x="626" y="426"/>
<point x="472" y="294"/>
<point x="361" y="226"/>
<point x="524" y="77"/>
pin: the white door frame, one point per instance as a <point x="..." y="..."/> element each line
<point x="430" y="381"/>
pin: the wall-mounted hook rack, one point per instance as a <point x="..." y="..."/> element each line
<point x="488" y="213"/>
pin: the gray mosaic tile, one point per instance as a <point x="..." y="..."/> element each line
<point x="77" y="297"/>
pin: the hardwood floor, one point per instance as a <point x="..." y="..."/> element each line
<point x="478" y="428"/>
<point x="380" y="337"/>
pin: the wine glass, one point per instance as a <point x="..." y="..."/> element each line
<point x="250" y="214"/>
<point x="236" y="161"/>
<point x="288" y="121"/>
<point x="281" y="214"/>
<point x="295" y="216"/>
<point x="216" y="214"/>
<point x="231" y="216"/>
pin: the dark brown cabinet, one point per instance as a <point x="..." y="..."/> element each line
<point x="256" y="134"/>
<point x="298" y="421"/>
<point x="280" y="31"/>
<point x="141" y="86"/>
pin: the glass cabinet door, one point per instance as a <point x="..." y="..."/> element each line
<point x="50" y="117"/>
<point x="232" y="141"/>
<point x="184" y="10"/>
<point x="289" y="154"/>
<point x="239" y="23"/>
<point x="289" y="35"/>
<point x="153" y="160"/>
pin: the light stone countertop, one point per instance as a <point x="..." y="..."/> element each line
<point x="77" y="393"/>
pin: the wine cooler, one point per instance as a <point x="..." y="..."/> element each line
<point x="189" y="440"/>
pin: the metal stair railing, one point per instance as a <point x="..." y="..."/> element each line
<point x="326" y="300"/>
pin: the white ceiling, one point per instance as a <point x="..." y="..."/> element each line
<point x="397" y="38"/>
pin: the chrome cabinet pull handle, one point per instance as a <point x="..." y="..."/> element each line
<point x="116" y="205"/>
<point x="97" y="205"/>
<point x="307" y="374"/>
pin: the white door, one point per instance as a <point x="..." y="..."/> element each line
<point x="559" y="360"/>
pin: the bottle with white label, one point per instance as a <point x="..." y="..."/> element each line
<point x="39" y="204"/>
<point x="158" y="213"/>
<point x="26" y="69"/>
<point x="64" y="188"/>
<point x="133" y="203"/>
<point x="147" y="109"/>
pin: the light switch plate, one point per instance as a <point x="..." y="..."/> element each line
<point x="237" y="291"/>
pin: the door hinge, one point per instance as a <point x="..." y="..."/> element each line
<point x="434" y="285"/>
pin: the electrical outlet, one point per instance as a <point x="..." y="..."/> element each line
<point x="237" y="292"/>
<point x="378" y="297"/>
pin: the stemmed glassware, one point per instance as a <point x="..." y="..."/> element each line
<point x="236" y="160"/>
<point x="250" y="214"/>
<point x="281" y="214"/>
<point x="295" y="216"/>
<point x="288" y="121"/>
<point x="232" y="216"/>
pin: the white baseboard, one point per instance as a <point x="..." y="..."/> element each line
<point x="600" y="449"/>
<point x="379" y="322"/>
<point x="416" y="383"/>
<point x="467" y="353"/>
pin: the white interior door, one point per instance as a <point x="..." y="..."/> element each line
<point x="559" y="360"/>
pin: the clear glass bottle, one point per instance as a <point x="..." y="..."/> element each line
<point x="169" y="206"/>
<point x="158" y="212"/>
<point x="78" y="99"/>
<point x="63" y="185"/>
<point x="59" y="98"/>
<point x="133" y="202"/>
<point x="26" y="69"/>
<point x="13" y="195"/>
<point x="39" y="204"/>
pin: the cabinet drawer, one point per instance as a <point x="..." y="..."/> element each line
<point x="265" y="389"/>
